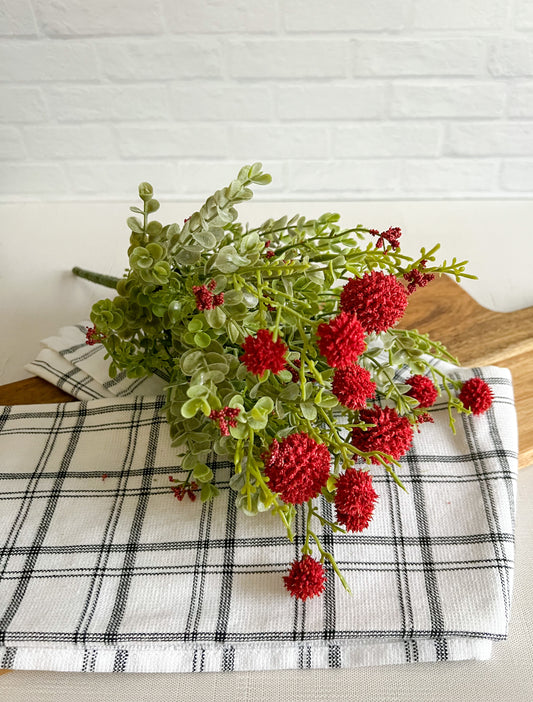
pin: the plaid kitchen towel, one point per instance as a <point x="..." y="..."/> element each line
<point x="83" y="371"/>
<point x="102" y="569"/>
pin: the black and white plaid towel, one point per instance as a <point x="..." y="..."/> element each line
<point x="102" y="569"/>
<point x="65" y="360"/>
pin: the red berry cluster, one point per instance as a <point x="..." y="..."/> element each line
<point x="226" y="418"/>
<point x="93" y="336"/>
<point x="181" y="490"/>
<point x="392" y="235"/>
<point x="268" y="253"/>
<point x="205" y="299"/>
<point x="417" y="278"/>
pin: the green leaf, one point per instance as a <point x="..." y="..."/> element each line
<point x="154" y="228"/>
<point x="202" y="473"/>
<point x="232" y="297"/>
<point x="240" y="431"/>
<point x="196" y="324"/>
<point x="249" y="242"/>
<point x="190" y="360"/>
<point x="265" y="404"/>
<point x="234" y="332"/>
<point x="328" y="401"/>
<point x="202" y="340"/>
<point x="228" y="260"/>
<point x="290" y="393"/>
<point x="257" y="420"/>
<point x="190" y="408"/>
<point x="331" y="485"/>
<point x="145" y="191"/>
<point x="236" y="482"/>
<point x="135" y="226"/>
<point x="152" y="206"/>
<point x="208" y="492"/>
<point x="188" y="255"/>
<point x="308" y="410"/>
<point x="215" y="376"/>
<point x="189" y="462"/>
<point x="263" y="179"/>
<point x="194" y="391"/>
<point x="215" y="317"/>
<point x="205" y="239"/>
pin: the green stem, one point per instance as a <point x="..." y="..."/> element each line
<point x="109" y="281"/>
<point x="324" y="554"/>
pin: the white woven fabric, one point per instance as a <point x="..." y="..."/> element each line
<point x="83" y="371"/>
<point x="103" y="570"/>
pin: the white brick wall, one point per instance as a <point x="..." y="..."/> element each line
<point x="343" y="99"/>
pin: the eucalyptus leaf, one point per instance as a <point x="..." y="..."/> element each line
<point x="190" y="360"/>
<point x="228" y="260"/>
<point x="202" y="473"/>
<point x="208" y="492"/>
<point x="188" y="255"/>
<point x="135" y="225"/>
<point x="232" y="297"/>
<point x="234" y="331"/>
<point x="202" y="340"/>
<point x="215" y="317"/>
<point x="190" y="408"/>
<point x="308" y="410"/>
<point x="205" y="239"/>
<point x="197" y="391"/>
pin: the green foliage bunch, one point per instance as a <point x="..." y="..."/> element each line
<point x="286" y="276"/>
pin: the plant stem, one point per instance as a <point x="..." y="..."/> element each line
<point x="109" y="281"/>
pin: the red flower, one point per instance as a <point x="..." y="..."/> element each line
<point x="262" y="353"/>
<point x="378" y="300"/>
<point x="392" y="434"/>
<point x="341" y="340"/>
<point x="353" y="386"/>
<point x="476" y="395"/>
<point x="306" y="578"/>
<point x="297" y="467"/>
<point x="354" y="499"/>
<point x="422" y="389"/>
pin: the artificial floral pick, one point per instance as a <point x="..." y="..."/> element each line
<point x="280" y="347"/>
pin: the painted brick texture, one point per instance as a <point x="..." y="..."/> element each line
<point x="339" y="99"/>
